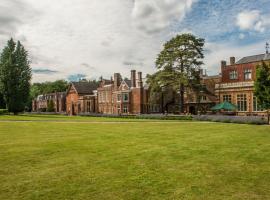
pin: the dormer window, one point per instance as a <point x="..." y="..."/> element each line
<point x="233" y="75"/>
<point x="247" y="74"/>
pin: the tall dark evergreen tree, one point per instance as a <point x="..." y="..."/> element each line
<point x="15" y="76"/>
<point x="262" y="86"/>
<point x="179" y="62"/>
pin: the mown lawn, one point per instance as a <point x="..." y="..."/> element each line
<point x="133" y="160"/>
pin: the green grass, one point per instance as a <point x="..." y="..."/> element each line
<point x="181" y="160"/>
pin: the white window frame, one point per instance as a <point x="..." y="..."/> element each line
<point x="247" y="74"/>
<point x="123" y="97"/>
<point x="242" y="102"/>
<point x="233" y="75"/>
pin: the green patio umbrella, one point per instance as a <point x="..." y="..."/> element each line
<point x="224" y="106"/>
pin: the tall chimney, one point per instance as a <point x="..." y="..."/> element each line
<point x="133" y="78"/>
<point x="117" y="80"/>
<point x="232" y="60"/>
<point x="201" y="72"/>
<point x="140" y="83"/>
<point x="223" y="63"/>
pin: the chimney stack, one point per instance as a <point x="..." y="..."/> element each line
<point x="140" y="83"/>
<point x="232" y="60"/>
<point x="223" y="63"/>
<point x="133" y="78"/>
<point x="201" y="72"/>
<point x="117" y="80"/>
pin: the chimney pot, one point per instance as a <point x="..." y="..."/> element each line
<point x="117" y="79"/>
<point x="133" y="78"/>
<point x="232" y="60"/>
<point x="223" y="63"/>
<point x="140" y="83"/>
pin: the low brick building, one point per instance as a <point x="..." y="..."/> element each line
<point x="40" y="104"/>
<point x="203" y="99"/>
<point x="118" y="96"/>
<point x="81" y="98"/>
<point x="237" y="83"/>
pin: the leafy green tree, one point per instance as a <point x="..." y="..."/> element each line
<point x="15" y="76"/>
<point x="262" y="86"/>
<point x="179" y="62"/>
<point x="48" y="87"/>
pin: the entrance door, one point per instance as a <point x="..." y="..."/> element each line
<point x="192" y="110"/>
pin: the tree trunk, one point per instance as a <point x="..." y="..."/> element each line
<point x="181" y="92"/>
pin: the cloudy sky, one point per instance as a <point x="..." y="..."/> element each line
<point x="67" y="39"/>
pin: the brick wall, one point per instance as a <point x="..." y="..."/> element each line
<point x="239" y="68"/>
<point x="71" y="102"/>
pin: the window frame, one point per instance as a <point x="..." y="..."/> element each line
<point x="233" y="75"/>
<point x="227" y="97"/>
<point x="255" y="106"/>
<point x="242" y="102"/>
<point x="125" y="95"/>
<point x="247" y="72"/>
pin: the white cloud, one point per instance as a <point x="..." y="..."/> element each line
<point x="153" y="16"/>
<point x="109" y="36"/>
<point x="223" y="51"/>
<point x="252" y="20"/>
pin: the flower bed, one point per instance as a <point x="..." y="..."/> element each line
<point x="231" y="119"/>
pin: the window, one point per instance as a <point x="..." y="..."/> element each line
<point x="247" y="74"/>
<point x="233" y="75"/>
<point x="242" y="102"/>
<point x="203" y="98"/>
<point x="106" y="96"/>
<point x="227" y="98"/>
<point x="256" y="106"/>
<point x="119" y="97"/>
<point x="125" y="97"/>
<point x="99" y="97"/>
<point x="125" y="109"/>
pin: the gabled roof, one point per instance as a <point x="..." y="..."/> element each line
<point x="128" y="82"/>
<point x="84" y="87"/>
<point x="255" y="58"/>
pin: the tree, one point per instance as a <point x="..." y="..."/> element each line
<point x="179" y="62"/>
<point x="15" y="76"/>
<point x="262" y="86"/>
<point x="48" y="87"/>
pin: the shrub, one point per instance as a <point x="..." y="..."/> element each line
<point x="143" y="116"/>
<point x="3" y="111"/>
<point x="231" y="119"/>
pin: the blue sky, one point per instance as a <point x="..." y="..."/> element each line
<point x="215" y="20"/>
<point x="68" y="39"/>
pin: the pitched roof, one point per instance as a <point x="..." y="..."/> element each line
<point x="255" y="58"/>
<point x="128" y="82"/>
<point x="84" y="87"/>
<point x="107" y="82"/>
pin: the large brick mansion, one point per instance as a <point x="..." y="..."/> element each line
<point x="235" y="84"/>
